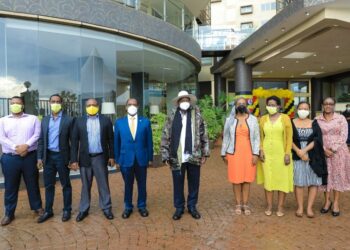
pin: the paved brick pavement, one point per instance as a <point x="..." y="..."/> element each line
<point x="219" y="227"/>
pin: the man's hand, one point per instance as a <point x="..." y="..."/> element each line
<point x="22" y="149"/>
<point x="262" y="156"/>
<point x="203" y="160"/>
<point x="74" y="166"/>
<point x="111" y="162"/>
<point x="255" y="160"/>
<point x="39" y="164"/>
<point x="167" y="163"/>
<point x="286" y="160"/>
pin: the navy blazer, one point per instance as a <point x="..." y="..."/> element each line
<point x="126" y="149"/>
<point x="80" y="142"/>
<point x="65" y="133"/>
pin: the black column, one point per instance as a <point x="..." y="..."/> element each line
<point x="219" y="87"/>
<point x="243" y="77"/>
<point x="316" y="95"/>
<point x="139" y="89"/>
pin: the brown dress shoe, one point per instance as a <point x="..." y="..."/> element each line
<point x="7" y="220"/>
<point x="40" y="212"/>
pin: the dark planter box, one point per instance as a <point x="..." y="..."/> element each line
<point x="157" y="161"/>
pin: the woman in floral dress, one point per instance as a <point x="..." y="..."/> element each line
<point x="334" y="132"/>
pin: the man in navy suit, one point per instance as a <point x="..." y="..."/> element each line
<point x="133" y="150"/>
<point x="54" y="154"/>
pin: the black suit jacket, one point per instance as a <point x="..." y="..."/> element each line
<point x="80" y="143"/>
<point x="65" y="133"/>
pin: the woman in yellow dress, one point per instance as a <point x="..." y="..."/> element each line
<point x="276" y="172"/>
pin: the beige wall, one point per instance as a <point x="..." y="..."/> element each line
<point x="227" y="13"/>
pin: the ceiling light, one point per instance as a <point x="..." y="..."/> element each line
<point x="296" y="61"/>
<point x="282" y="67"/>
<point x="292" y="76"/>
<point x="283" y="29"/>
<point x="337" y="46"/>
<point x="340" y="62"/>
<point x="257" y="73"/>
<point x="307" y="13"/>
<point x="322" y="67"/>
<point x="335" y="25"/>
<point x="299" y="55"/>
<point x="266" y="40"/>
<point x="312" y="73"/>
<point x="314" y="54"/>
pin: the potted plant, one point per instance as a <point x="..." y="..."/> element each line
<point x="158" y="122"/>
<point x="213" y="117"/>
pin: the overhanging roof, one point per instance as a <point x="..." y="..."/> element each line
<point x="321" y="28"/>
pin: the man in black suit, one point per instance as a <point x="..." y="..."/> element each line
<point x="54" y="155"/>
<point x="93" y="137"/>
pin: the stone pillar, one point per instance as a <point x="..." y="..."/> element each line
<point x="316" y="95"/>
<point x="243" y="77"/>
<point x="139" y="90"/>
<point x="219" y="87"/>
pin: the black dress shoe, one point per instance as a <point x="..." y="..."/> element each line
<point x="45" y="217"/>
<point x="178" y="214"/>
<point x="7" y="220"/>
<point x="143" y="212"/>
<point x="126" y="214"/>
<point x="81" y="216"/>
<point x="40" y="212"/>
<point x="326" y="210"/>
<point x="108" y="214"/>
<point x="66" y="216"/>
<point x="195" y="214"/>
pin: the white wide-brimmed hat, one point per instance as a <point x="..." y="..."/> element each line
<point x="183" y="94"/>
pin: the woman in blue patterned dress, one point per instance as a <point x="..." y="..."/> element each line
<point x="305" y="133"/>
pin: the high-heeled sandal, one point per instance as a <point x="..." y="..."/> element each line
<point x="326" y="210"/>
<point x="238" y="209"/>
<point x="247" y="210"/>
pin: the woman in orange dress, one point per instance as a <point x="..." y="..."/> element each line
<point x="240" y="150"/>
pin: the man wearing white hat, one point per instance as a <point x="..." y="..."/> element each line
<point x="185" y="147"/>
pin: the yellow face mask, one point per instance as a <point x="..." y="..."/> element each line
<point x="16" y="108"/>
<point x="92" y="110"/>
<point x="56" y="107"/>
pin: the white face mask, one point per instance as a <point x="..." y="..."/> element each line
<point x="184" y="105"/>
<point x="132" y="110"/>
<point x="302" y="114"/>
<point x="348" y="109"/>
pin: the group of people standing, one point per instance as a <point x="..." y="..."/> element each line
<point x="286" y="155"/>
<point x="293" y="155"/>
<point x="60" y="143"/>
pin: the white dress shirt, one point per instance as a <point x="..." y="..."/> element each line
<point x="183" y="137"/>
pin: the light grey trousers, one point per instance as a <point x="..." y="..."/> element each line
<point x="98" y="169"/>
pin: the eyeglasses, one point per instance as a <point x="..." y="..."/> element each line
<point x="328" y="104"/>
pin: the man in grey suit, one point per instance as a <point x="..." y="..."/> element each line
<point x="92" y="144"/>
<point x="54" y="155"/>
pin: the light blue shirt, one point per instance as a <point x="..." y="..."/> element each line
<point x="54" y="132"/>
<point x="94" y="134"/>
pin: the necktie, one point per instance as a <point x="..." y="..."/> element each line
<point x="132" y="127"/>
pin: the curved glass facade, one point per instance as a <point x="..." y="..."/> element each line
<point x="171" y="11"/>
<point x="38" y="59"/>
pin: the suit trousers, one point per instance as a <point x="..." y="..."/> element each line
<point x="13" y="167"/>
<point x="129" y="174"/>
<point x="54" y="164"/>
<point x="98" y="169"/>
<point x="193" y="178"/>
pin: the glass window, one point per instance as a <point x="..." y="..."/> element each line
<point x="299" y="87"/>
<point x="270" y="85"/>
<point x="247" y="25"/>
<point x="342" y="90"/>
<point x="248" y="9"/>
